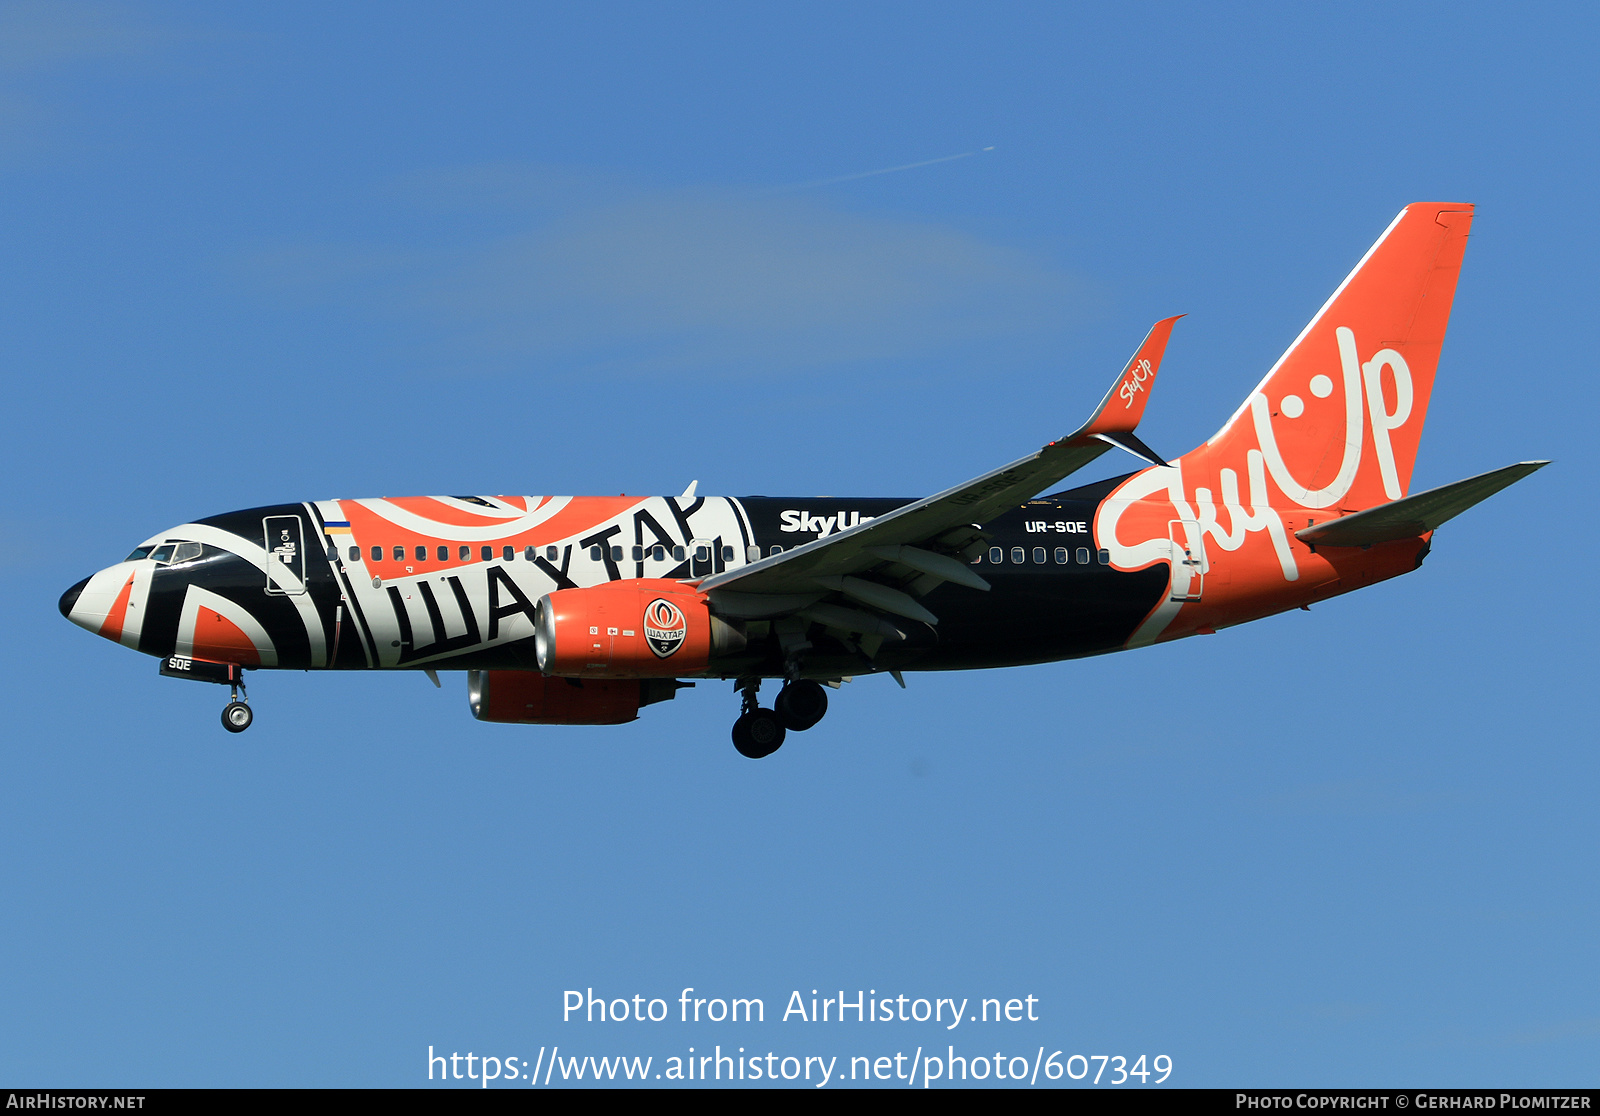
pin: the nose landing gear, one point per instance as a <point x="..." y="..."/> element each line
<point x="236" y="715"/>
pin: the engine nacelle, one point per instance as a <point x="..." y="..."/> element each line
<point x="525" y="697"/>
<point x="641" y="628"/>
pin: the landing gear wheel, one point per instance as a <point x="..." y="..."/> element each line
<point x="801" y="705"/>
<point x="758" y="734"/>
<point x="237" y="716"/>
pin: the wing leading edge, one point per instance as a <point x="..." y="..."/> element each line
<point x="885" y="563"/>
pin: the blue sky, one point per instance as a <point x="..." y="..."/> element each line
<point x="292" y="252"/>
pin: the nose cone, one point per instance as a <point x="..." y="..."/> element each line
<point x="69" y="599"/>
<point x="107" y="604"/>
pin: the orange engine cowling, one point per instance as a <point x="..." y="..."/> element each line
<point x="641" y="628"/>
<point x="525" y="697"/>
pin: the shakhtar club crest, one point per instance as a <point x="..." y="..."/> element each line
<point x="664" y="627"/>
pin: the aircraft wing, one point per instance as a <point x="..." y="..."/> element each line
<point x="885" y="563"/>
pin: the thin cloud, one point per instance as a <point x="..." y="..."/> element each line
<point x="1557" y="1032"/>
<point x="37" y="35"/>
<point x="41" y="39"/>
<point x="701" y="280"/>
<point x="1357" y="797"/>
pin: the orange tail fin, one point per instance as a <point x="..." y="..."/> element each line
<point x="1336" y="422"/>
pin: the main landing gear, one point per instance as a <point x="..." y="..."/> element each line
<point x="801" y="705"/>
<point x="760" y="732"/>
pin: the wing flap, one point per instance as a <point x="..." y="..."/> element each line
<point x="882" y="597"/>
<point x="941" y="566"/>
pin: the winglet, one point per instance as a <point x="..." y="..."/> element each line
<point x="1122" y="408"/>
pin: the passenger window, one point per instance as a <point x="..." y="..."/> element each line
<point x="638" y="554"/>
<point x="1038" y="555"/>
<point x="531" y="553"/>
<point x="753" y="554"/>
<point x="727" y="554"/>
<point x="594" y="554"/>
<point x="354" y="553"/>
<point x="658" y="553"/>
<point x="616" y="554"/>
<point x="422" y="554"/>
<point x="1061" y="556"/>
<point x="1105" y="557"/>
<point x="487" y="553"/>
<point x="996" y="555"/>
<point x="333" y="552"/>
<point x="702" y="554"/>
<point x="508" y="553"/>
<point x="377" y="554"/>
<point x="551" y="554"/>
<point x="774" y="550"/>
<point x="464" y="553"/>
<point x="162" y="553"/>
<point x="677" y="554"/>
<point x="1083" y="556"/>
<point x="399" y="554"/>
<point x="189" y="551"/>
<point x="1019" y="555"/>
<point x="444" y="554"/>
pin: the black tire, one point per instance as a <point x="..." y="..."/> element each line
<point x="758" y="734"/>
<point x="236" y="717"/>
<point x="801" y="705"/>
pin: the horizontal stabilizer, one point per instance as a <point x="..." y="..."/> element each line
<point x="1414" y="515"/>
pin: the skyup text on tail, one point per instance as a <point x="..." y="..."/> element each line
<point x="581" y="610"/>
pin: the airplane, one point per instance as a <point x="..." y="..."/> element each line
<point x="583" y="610"/>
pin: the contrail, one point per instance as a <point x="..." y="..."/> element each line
<point x="874" y="173"/>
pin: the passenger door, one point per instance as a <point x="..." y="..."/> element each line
<point x="285" y="545"/>
<point x="1188" y="559"/>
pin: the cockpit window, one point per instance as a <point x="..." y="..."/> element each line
<point x="139" y="554"/>
<point x="186" y="552"/>
<point x="163" y="553"/>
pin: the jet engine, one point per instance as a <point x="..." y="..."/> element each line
<point x="641" y="628"/>
<point x="525" y="697"/>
